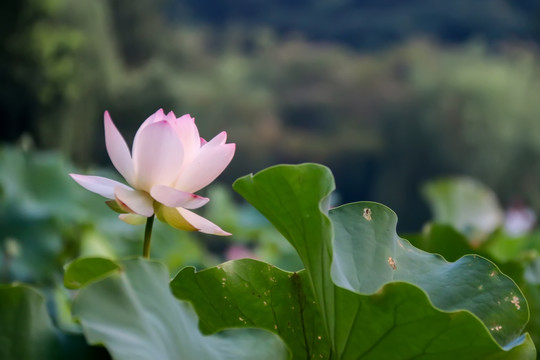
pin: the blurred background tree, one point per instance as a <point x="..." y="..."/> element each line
<point x="388" y="93"/>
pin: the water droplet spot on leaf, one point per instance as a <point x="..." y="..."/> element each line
<point x="392" y="263"/>
<point x="367" y="214"/>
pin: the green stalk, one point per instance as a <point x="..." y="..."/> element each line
<point x="148" y="237"/>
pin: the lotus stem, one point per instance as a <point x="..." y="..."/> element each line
<point x="148" y="237"/>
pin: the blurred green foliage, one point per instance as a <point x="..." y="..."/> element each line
<point x="473" y="209"/>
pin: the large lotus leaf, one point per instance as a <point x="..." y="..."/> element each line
<point x="471" y="283"/>
<point x="402" y="323"/>
<point x="397" y="322"/>
<point x="466" y="204"/>
<point x="295" y="200"/>
<point x="85" y="270"/>
<point x="388" y="312"/>
<point x="132" y="312"/>
<point x="250" y="293"/>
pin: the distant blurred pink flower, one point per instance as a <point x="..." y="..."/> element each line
<point x="235" y="252"/>
<point x="169" y="162"/>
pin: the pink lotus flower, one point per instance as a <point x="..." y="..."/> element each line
<point x="169" y="162"/>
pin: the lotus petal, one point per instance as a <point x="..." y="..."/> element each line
<point x="187" y="132"/>
<point x="99" y="185"/>
<point x="134" y="201"/>
<point x="118" y="150"/>
<point x="175" y="198"/>
<point x="201" y="224"/>
<point x="183" y="219"/>
<point x="157" y="156"/>
<point x="132" y="219"/>
<point x="212" y="159"/>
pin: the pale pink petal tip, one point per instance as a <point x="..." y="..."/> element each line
<point x="118" y="150"/>
<point x="217" y="231"/>
<point x="107" y="118"/>
<point x="206" y="167"/>
<point x="219" y="139"/>
<point x="170" y="116"/>
<point x="157" y="116"/>
<point x="99" y="185"/>
<point x="201" y="224"/>
<point x="186" y="117"/>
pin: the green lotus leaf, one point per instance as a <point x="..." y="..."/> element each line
<point x="379" y="297"/>
<point x="84" y="270"/>
<point x="251" y="293"/>
<point x="132" y="312"/>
